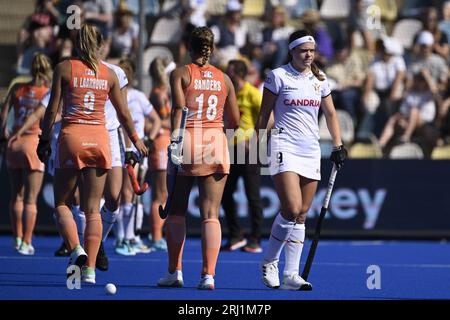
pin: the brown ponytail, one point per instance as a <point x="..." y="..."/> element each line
<point x="316" y="72"/>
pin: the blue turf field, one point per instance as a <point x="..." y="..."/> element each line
<point x="409" y="270"/>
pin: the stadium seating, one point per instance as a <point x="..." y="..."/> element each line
<point x="252" y="8"/>
<point x="335" y="9"/>
<point x="441" y="153"/>
<point x="365" y="151"/>
<point x="389" y="9"/>
<point x="407" y="150"/>
<point x="149" y="55"/>
<point x="346" y="124"/>
<point x="166" y="31"/>
<point x="216" y="7"/>
<point x="405" y="30"/>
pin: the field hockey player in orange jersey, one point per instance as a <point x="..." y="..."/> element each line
<point x="207" y="92"/>
<point x="84" y="84"/>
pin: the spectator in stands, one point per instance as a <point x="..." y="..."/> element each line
<point x="275" y="39"/>
<point x="295" y="8"/>
<point x="324" y="43"/>
<point x="416" y="114"/>
<point x="444" y="24"/>
<point x="430" y="22"/>
<point x="230" y="35"/>
<point x="100" y="13"/>
<point x="346" y="75"/>
<point x="36" y="34"/>
<point x="357" y="22"/>
<point x="125" y="34"/>
<point x="385" y="77"/>
<point x="193" y="15"/>
<point x="426" y="59"/>
<point x="66" y="36"/>
<point x="248" y="99"/>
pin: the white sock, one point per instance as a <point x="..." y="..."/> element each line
<point x="119" y="230"/>
<point x="80" y="220"/>
<point x="281" y="230"/>
<point x="108" y="220"/>
<point x="293" y="249"/>
<point x="128" y="220"/>
<point x="139" y="216"/>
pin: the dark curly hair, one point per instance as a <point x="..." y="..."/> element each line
<point x="201" y="42"/>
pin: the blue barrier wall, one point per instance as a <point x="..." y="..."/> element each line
<point x="371" y="198"/>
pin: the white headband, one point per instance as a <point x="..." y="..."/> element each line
<point x="300" y="41"/>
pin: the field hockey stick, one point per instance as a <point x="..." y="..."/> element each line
<point x="323" y="211"/>
<point x="176" y="158"/>
<point x="142" y="172"/>
<point x="138" y="189"/>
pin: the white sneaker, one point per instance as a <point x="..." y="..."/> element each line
<point x="17" y="243"/>
<point x="88" y="275"/>
<point x="206" y="282"/>
<point x="78" y="256"/>
<point x="295" y="282"/>
<point x="139" y="246"/>
<point x="270" y="275"/>
<point x="124" y="248"/>
<point x="172" y="280"/>
<point x="26" y="249"/>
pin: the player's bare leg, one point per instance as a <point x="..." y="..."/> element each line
<point x="176" y="231"/>
<point x="211" y="190"/>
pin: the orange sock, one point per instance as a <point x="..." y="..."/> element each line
<point x="176" y="235"/>
<point x="211" y="241"/>
<point x="156" y="222"/>
<point x="67" y="227"/>
<point x="92" y="237"/>
<point x="16" y="210"/>
<point x="30" y="213"/>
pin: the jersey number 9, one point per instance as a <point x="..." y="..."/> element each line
<point x="89" y="101"/>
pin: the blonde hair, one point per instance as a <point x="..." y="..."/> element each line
<point x="202" y="42"/>
<point x="88" y="43"/>
<point x="41" y="67"/>
<point x="158" y="72"/>
<point x="129" y="68"/>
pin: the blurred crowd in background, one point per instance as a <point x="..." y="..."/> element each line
<point x="386" y="60"/>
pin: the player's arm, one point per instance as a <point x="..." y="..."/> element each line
<point x="154" y="125"/>
<point x="158" y="103"/>
<point x="413" y="120"/>
<point x="123" y="113"/>
<point x="178" y="77"/>
<point x="4" y="113"/>
<point x="332" y="120"/>
<point x="267" y="104"/>
<point x="37" y="115"/>
<point x="62" y="71"/>
<point x="231" y="107"/>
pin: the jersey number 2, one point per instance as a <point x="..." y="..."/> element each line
<point x="212" y="107"/>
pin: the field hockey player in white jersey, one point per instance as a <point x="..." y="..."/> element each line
<point x="130" y="217"/>
<point x="294" y="93"/>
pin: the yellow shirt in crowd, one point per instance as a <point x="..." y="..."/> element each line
<point x="249" y="100"/>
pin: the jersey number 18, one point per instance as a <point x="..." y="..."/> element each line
<point x="212" y="107"/>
